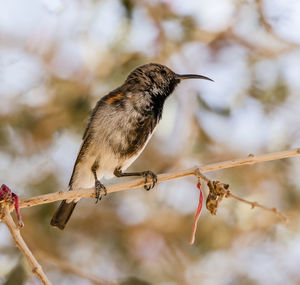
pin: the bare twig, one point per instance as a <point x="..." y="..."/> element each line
<point x="20" y="243"/>
<point x="89" y="192"/>
<point x="255" y="204"/>
<point x="219" y="190"/>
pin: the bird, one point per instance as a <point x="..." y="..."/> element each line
<point x="120" y="126"/>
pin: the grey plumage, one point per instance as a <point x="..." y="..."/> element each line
<point x="119" y="128"/>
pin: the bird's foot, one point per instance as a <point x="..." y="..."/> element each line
<point x="98" y="187"/>
<point x="153" y="178"/>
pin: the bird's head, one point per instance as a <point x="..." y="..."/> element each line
<point x="157" y="79"/>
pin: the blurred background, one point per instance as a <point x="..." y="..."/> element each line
<point x="58" y="57"/>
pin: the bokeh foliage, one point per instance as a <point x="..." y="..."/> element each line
<point x="58" y="58"/>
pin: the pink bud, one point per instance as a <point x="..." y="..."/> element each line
<point x="4" y="190"/>
<point x="9" y="196"/>
<point x="16" y="201"/>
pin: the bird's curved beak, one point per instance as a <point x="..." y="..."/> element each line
<point x="191" y="76"/>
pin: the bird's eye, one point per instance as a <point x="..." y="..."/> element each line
<point x="163" y="72"/>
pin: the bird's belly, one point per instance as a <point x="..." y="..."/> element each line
<point x="83" y="176"/>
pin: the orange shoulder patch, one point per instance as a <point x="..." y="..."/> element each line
<point x="115" y="98"/>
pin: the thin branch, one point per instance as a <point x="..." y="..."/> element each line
<point x="219" y="190"/>
<point x="90" y="192"/>
<point x="20" y="243"/>
<point x="255" y="204"/>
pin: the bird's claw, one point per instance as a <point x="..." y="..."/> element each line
<point x="98" y="187"/>
<point x="153" y="177"/>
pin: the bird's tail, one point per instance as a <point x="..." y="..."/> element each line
<point x="63" y="214"/>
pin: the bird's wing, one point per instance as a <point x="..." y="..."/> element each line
<point x="111" y="98"/>
<point x="84" y="146"/>
<point x="87" y="129"/>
